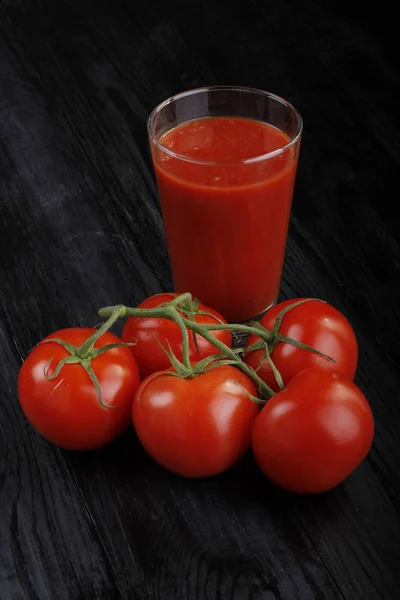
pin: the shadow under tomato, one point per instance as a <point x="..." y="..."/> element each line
<point x="125" y="461"/>
<point x="254" y="486"/>
<point x="124" y="454"/>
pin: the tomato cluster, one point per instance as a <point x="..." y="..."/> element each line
<point x="195" y="404"/>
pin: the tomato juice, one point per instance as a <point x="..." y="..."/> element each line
<point x="225" y="187"/>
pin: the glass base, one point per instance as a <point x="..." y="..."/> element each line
<point x="239" y="338"/>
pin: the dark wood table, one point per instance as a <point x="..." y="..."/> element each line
<point x="81" y="228"/>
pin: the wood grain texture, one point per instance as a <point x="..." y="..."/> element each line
<point x="80" y="228"/>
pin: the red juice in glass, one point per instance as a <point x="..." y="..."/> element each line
<point x="225" y="180"/>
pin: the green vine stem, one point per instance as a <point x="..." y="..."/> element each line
<point x="182" y="299"/>
<point x="88" y="345"/>
<point x="230" y="354"/>
<point x="172" y="312"/>
<point x="263" y="333"/>
<point x="175" y="316"/>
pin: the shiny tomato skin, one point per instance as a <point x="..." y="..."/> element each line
<point x="66" y="410"/>
<point x="147" y="352"/>
<point x="315" y="323"/>
<point x="312" y="435"/>
<point x="196" y="427"/>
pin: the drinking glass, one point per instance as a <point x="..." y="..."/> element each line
<point x="225" y="160"/>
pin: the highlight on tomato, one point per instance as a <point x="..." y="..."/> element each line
<point x="197" y="426"/>
<point x="76" y="387"/>
<point x="311" y="436"/>
<point x="314" y="323"/>
<point x="149" y="334"/>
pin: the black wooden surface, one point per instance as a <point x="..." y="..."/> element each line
<point x="81" y="228"/>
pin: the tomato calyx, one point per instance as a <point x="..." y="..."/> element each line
<point x="202" y="367"/>
<point x="191" y="371"/>
<point x="275" y="337"/>
<point x="85" y="353"/>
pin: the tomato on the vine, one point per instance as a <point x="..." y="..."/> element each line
<point x="148" y="333"/>
<point x="196" y="427"/>
<point x="314" y="323"/>
<point x="312" y="435"/>
<point x="67" y="410"/>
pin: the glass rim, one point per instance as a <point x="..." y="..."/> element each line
<point x="214" y="88"/>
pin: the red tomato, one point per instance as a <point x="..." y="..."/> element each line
<point x="312" y="435"/>
<point x="196" y="427"/>
<point x="149" y="356"/>
<point x="67" y="410"/>
<point x="316" y="324"/>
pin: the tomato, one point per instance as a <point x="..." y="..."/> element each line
<point x="145" y="332"/>
<point x="315" y="323"/>
<point x="196" y="427"/>
<point x="67" y="410"/>
<point x="312" y="435"/>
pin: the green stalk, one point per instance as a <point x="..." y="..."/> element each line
<point x="117" y="312"/>
<point x="171" y="311"/>
<point x="230" y="354"/>
<point x="172" y="314"/>
<point x="187" y="297"/>
<point x="266" y="335"/>
<point x="175" y="316"/>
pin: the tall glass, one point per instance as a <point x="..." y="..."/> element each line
<point x="225" y="160"/>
